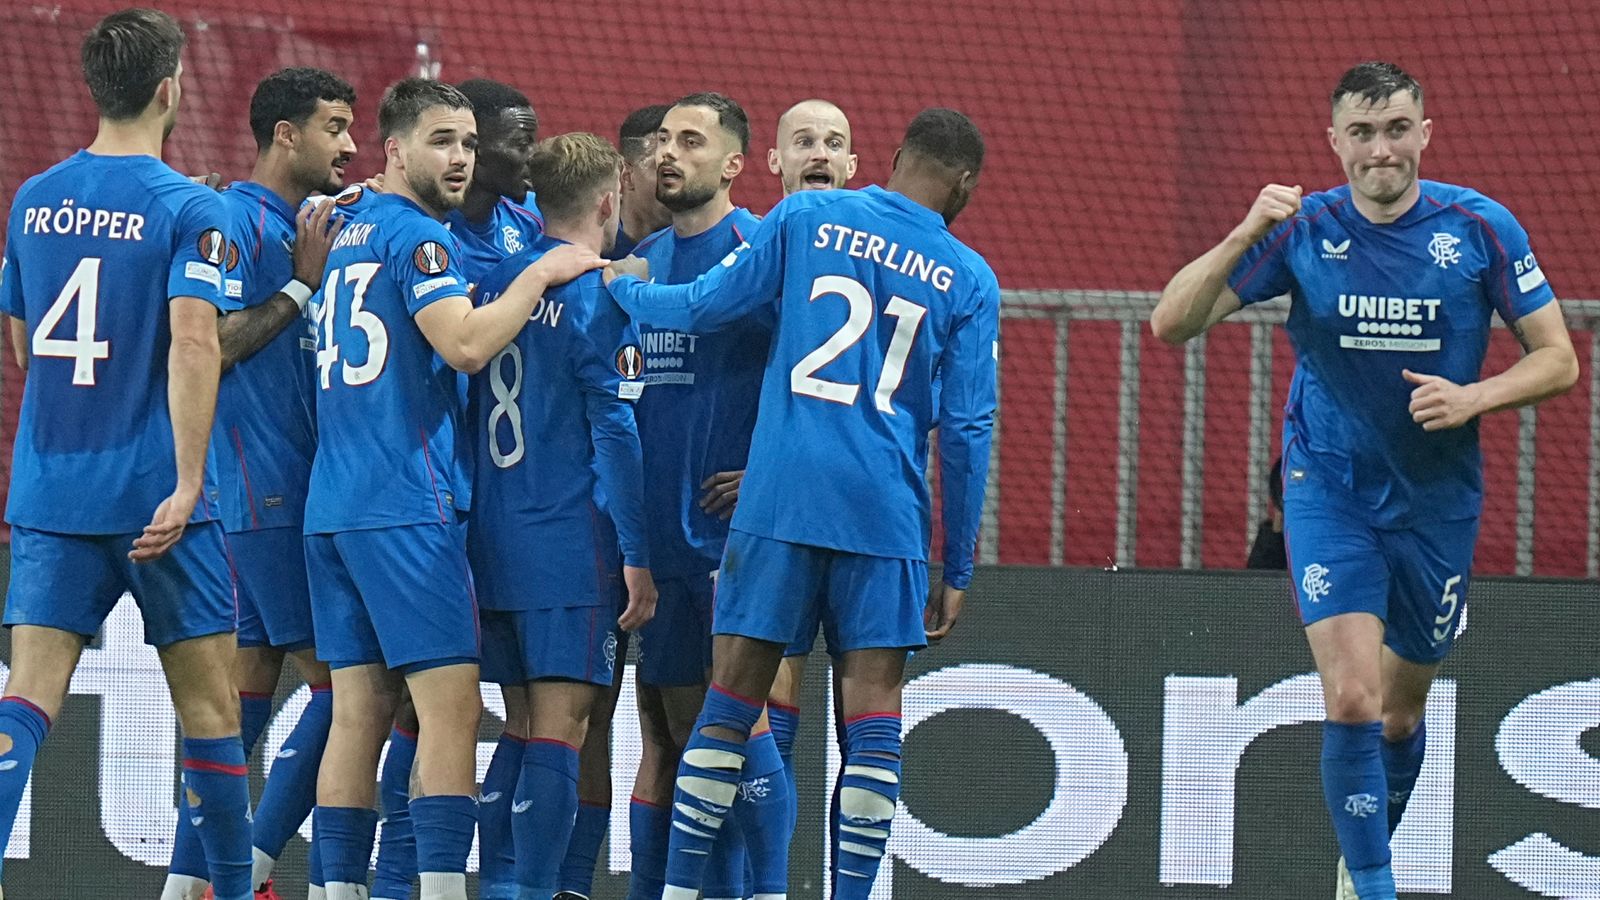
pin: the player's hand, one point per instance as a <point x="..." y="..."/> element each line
<point x="375" y="183"/>
<point x="632" y="265"/>
<point x="944" y="607"/>
<point x="315" y="228"/>
<point x="166" y="526"/>
<point x="1437" y="403"/>
<point x="641" y="598"/>
<point x="721" y="493"/>
<point x="210" y="179"/>
<point x="1275" y="203"/>
<point x="563" y="264"/>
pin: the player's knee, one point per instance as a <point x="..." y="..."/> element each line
<point x="1400" y="724"/>
<point x="1352" y="701"/>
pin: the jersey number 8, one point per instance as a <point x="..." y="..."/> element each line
<point x="359" y="275"/>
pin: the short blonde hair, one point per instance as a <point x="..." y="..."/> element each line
<point x="568" y="171"/>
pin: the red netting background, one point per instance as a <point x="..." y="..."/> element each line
<point x="1124" y="138"/>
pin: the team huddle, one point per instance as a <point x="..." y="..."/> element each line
<point x="513" y="405"/>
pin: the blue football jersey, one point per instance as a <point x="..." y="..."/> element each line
<point x="876" y="301"/>
<point x="555" y="441"/>
<point x="265" y="435"/>
<point x="388" y="407"/>
<point x="96" y="248"/>
<point x="1370" y="300"/>
<point x="509" y="230"/>
<point x="696" y="419"/>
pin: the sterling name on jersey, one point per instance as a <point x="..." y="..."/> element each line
<point x="510" y="229"/>
<point x="388" y="408"/>
<point x="553" y="431"/>
<point x="1370" y="300"/>
<point x="696" y="419"/>
<point x="96" y="248"/>
<point x="876" y="299"/>
<point x="265" y="434"/>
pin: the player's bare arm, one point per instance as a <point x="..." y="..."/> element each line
<point x="19" y="342"/>
<point x="243" y="333"/>
<point x="467" y="337"/>
<point x="194" y="363"/>
<point x="1198" y="297"/>
<point x="1548" y="367"/>
<point x="642" y="595"/>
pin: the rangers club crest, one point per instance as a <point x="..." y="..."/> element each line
<point x="630" y="362"/>
<point x="431" y="258"/>
<point x="213" y="246"/>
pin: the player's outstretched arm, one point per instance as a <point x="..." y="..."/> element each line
<point x="748" y="278"/>
<point x="1548" y="367"/>
<point x="243" y="333"/>
<point x="1198" y="297"/>
<point x="194" y="364"/>
<point x="467" y="337"/>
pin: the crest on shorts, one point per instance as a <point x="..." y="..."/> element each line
<point x="431" y="258"/>
<point x="213" y="246"/>
<point x="350" y="197"/>
<point x="630" y="361"/>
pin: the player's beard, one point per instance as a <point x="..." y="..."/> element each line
<point x="432" y="193"/>
<point x="689" y="196"/>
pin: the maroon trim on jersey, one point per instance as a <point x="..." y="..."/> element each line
<point x="427" y="460"/>
<point x="244" y="470"/>
<point x="1509" y="312"/>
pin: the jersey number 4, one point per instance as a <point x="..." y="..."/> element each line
<point x="908" y="316"/>
<point x="82" y="349"/>
<point x="358" y="276"/>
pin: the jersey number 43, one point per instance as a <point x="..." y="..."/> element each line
<point x="356" y="277"/>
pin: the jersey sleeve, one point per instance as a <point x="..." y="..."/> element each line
<point x="747" y="280"/>
<point x="425" y="261"/>
<point x="238" y="270"/>
<point x="966" y="377"/>
<point x="608" y="362"/>
<point x="201" y="249"/>
<point x="1515" y="283"/>
<point x="10" y="275"/>
<point x="1263" y="272"/>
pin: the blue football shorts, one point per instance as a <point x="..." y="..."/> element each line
<point x="71" y="582"/>
<point x="770" y="589"/>
<point x="568" y="644"/>
<point x="674" y="648"/>
<point x="399" y="596"/>
<point x="274" y="595"/>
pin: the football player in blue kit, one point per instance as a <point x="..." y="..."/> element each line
<point x="558" y="468"/>
<point x="642" y="214"/>
<point x="873" y="298"/>
<point x="265" y="436"/>
<point x="695" y="424"/>
<point x="642" y="211"/>
<point x="110" y="490"/>
<point x="391" y="592"/>
<point x="1392" y="283"/>
<point x="813" y="153"/>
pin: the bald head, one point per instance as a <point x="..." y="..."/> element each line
<point x="813" y="148"/>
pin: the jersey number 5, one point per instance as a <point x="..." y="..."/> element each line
<point x="359" y="275"/>
<point x="82" y="349"/>
<point x="908" y="316"/>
